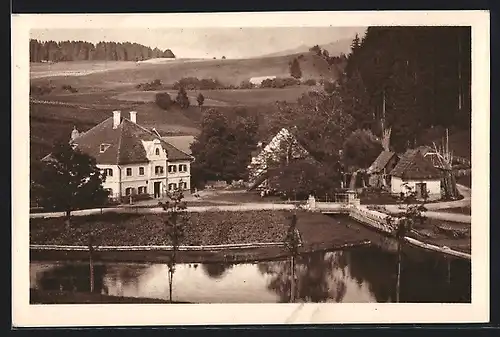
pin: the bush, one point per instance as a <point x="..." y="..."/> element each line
<point x="163" y="100"/>
<point x="247" y="85"/>
<point x="150" y="86"/>
<point x="69" y="88"/>
<point x="193" y="83"/>
<point x="279" y="82"/>
<point x="310" y="82"/>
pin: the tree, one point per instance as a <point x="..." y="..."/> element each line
<point x="163" y="100"/>
<point x="223" y="148"/>
<point x="246" y="84"/>
<point x="200" y="99"/>
<point x="69" y="180"/>
<point x="361" y="148"/>
<point x="182" y="98"/>
<point x="292" y="244"/>
<point x="295" y="71"/>
<point x="316" y="49"/>
<point x="223" y="57"/>
<point x="175" y="222"/>
<point x="405" y="223"/>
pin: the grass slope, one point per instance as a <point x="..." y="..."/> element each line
<point x="226" y="71"/>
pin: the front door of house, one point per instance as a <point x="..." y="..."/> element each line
<point x="157" y="189"/>
<point x="421" y="189"/>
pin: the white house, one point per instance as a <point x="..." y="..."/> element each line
<point x="134" y="159"/>
<point x="258" y="80"/>
<point x="284" y="143"/>
<point x="418" y="173"/>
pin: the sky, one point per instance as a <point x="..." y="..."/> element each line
<point x="208" y="42"/>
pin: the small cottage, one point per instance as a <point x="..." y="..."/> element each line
<point x="378" y="172"/>
<point x="420" y="175"/>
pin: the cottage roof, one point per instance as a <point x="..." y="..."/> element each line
<point x="183" y="143"/>
<point x="381" y="162"/>
<point x="124" y="143"/>
<point x="413" y="165"/>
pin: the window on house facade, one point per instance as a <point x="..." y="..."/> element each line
<point x="172" y="168"/>
<point x="184" y="185"/>
<point x="141" y="171"/>
<point x="172" y="186"/>
<point x="157" y="151"/>
<point x="103" y="147"/>
<point x="129" y="191"/>
<point x="158" y="169"/>
<point x="183" y="168"/>
<point x="129" y="171"/>
<point x="142" y="190"/>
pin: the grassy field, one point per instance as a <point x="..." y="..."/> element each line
<point x="49" y="123"/>
<point x="226" y="71"/>
<point x="206" y="228"/>
<point x="226" y="97"/>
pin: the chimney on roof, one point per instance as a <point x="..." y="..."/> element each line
<point x="133" y="116"/>
<point x="116" y="118"/>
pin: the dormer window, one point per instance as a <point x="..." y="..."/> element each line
<point x="103" y="147"/>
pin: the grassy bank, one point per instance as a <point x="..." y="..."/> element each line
<point x="67" y="297"/>
<point x="318" y="232"/>
<point x="207" y="228"/>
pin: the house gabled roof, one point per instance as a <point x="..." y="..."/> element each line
<point x="183" y="143"/>
<point x="124" y="143"/>
<point x="381" y="162"/>
<point x="413" y="165"/>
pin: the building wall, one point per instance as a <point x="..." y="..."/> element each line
<point x="433" y="186"/>
<point x="176" y="177"/>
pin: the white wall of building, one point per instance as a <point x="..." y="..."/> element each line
<point x="433" y="186"/>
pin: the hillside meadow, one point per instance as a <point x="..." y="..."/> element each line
<point x="229" y="71"/>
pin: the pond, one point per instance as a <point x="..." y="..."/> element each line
<point x="363" y="274"/>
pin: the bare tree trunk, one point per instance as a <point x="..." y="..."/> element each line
<point x="448" y="274"/>
<point x="292" y="282"/>
<point x="91" y="264"/>
<point x="170" y="281"/>
<point x="68" y="218"/>
<point x="398" y="280"/>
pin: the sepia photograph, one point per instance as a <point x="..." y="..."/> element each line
<point x="225" y="162"/>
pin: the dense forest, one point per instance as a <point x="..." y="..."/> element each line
<point x="85" y="51"/>
<point x="412" y="78"/>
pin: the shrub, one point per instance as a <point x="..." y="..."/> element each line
<point x="163" y="100"/>
<point x="310" y="82"/>
<point x="247" y="85"/>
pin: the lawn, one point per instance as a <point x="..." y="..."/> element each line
<point x="227" y="71"/>
<point x="223" y="97"/>
<point x="66" y="297"/>
<point x="459" y="210"/>
<point x="204" y="228"/>
<point x="207" y="228"/>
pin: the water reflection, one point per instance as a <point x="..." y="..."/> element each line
<point x="366" y="274"/>
<point x="216" y="270"/>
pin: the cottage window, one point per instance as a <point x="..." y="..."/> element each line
<point x="158" y="169"/>
<point x="157" y="151"/>
<point x="141" y="171"/>
<point x="142" y="190"/>
<point x="183" y="168"/>
<point x="129" y="191"/>
<point x="107" y="172"/>
<point x="172" y="186"/>
<point x="172" y="168"/>
<point x="184" y="185"/>
<point x="103" y="147"/>
<point x="129" y="171"/>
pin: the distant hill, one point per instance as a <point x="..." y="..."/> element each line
<point x="334" y="48"/>
<point x="226" y="71"/>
